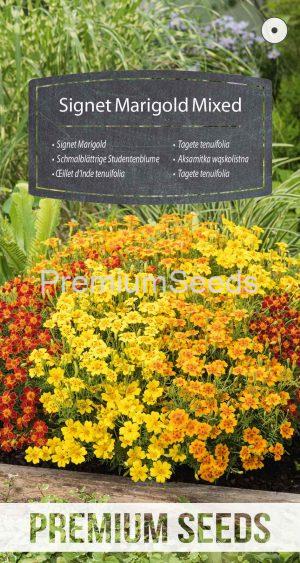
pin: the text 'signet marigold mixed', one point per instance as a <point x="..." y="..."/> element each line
<point x="150" y="379"/>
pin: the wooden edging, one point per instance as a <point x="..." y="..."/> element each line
<point x="29" y="483"/>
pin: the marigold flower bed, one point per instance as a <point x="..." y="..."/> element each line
<point x="150" y="379"/>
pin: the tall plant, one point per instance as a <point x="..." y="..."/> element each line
<point x="23" y="229"/>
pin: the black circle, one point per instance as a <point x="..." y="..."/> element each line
<point x="274" y="29"/>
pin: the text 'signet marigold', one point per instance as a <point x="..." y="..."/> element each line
<point x="148" y="379"/>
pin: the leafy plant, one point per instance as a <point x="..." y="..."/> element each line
<point x="151" y="558"/>
<point x="286" y="115"/>
<point x="24" y="226"/>
<point x="288" y="10"/>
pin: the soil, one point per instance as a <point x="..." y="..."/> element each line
<point x="281" y="476"/>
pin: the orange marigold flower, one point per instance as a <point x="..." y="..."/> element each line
<point x="277" y="450"/>
<point x="260" y="446"/>
<point x="191" y="428"/>
<point x="222" y="453"/>
<point x="253" y="462"/>
<point x="179" y="418"/>
<point x="198" y="449"/>
<point x="216" y="368"/>
<point x="204" y="430"/>
<point x="248" y="401"/>
<point x="228" y="424"/>
<point x="251" y="435"/>
<point x="226" y="410"/>
<point x="286" y="430"/>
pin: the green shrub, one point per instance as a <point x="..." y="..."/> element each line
<point x="286" y="117"/>
<point x="24" y="227"/>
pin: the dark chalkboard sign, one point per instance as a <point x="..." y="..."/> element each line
<point x="150" y="137"/>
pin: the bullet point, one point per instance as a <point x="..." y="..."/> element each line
<point x="174" y="145"/>
<point x="52" y="173"/>
<point x="52" y="159"/>
<point x="174" y="174"/>
<point x="53" y="145"/>
<point x="173" y="159"/>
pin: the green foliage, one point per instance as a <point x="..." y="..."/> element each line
<point x="152" y="558"/>
<point x="68" y="36"/>
<point x="286" y="116"/>
<point x="289" y="11"/>
<point x="23" y="229"/>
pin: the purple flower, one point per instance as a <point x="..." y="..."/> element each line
<point x="273" y="54"/>
<point x="259" y="39"/>
<point x="226" y="42"/>
<point x="176" y="22"/>
<point x="237" y="27"/>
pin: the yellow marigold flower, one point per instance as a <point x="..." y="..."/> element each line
<point x="191" y="428"/>
<point x="273" y="399"/>
<point x="135" y="454"/>
<point x="50" y="405"/>
<point x="245" y="453"/>
<point x="71" y="429"/>
<point x="52" y="443"/>
<point x="85" y="406"/>
<point x="77" y="453"/>
<point x="154" y="451"/>
<point x="284" y="396"/>
<point x="104" y="448"/>
<point x="136" y="415"/>
<point x="138" y="471"/>
<point x="61" y="456"/>
<point x="161" y="471"/>
<point x="152" y="392"/>
<point x="208" y="390"/>
<point x="56" y="376"/>
<point x="153" y="422"/>
<point x="129" y="432"/>
<point x="253" y="462"/>
<point x="176" y="454"/>
<point x="52" y="242"/>
<point x="86" y="431"/>
<point x="37" y="371"/>
<point x="215" y="432"/>
<point x="33" y="455"/>
<point x="75" y="384"/>
<point x="45" y="453"/>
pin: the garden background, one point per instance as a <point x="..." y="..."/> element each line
<point x="54" y="37"/>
